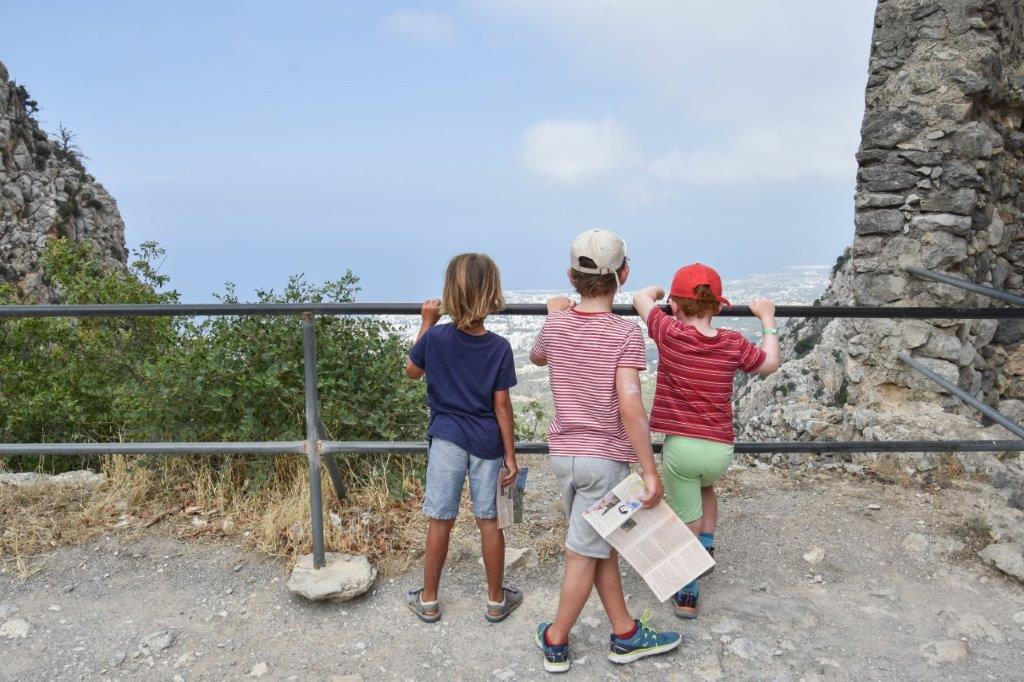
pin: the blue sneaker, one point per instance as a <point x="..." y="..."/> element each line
<point x="644" y="642"/>
<point x="556" y="657"/>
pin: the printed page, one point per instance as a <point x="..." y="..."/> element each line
<point x="505" y="501"/>
<point x="510" y="498"/>
<point x="613" y="510"/>
<point x="659" y="546"/>
<point x="518" y="493"/>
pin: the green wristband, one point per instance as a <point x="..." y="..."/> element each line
<point x="770" y="330"/>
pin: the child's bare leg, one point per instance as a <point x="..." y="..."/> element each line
<point x="709" y="507"/>
<point x="439" y="531"/>
<point x="608" y="581"/>
<point x="576" y="587"/>
<point x="696" y="527"/>
<point x="492" y="543"/>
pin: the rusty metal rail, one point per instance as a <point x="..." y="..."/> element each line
<point x="319" y="451"/>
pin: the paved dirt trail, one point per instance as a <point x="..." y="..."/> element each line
<point x="891" y="599"/>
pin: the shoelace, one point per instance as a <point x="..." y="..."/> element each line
<point x="645" y="628"/>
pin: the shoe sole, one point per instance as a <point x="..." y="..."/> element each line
<point x="422" y="616"/>
<point x="686" y="615"/>
<point x="548" y="665"/>
<point x="620" y="659"/>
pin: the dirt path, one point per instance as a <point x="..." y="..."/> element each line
<point x="891" y="599"/>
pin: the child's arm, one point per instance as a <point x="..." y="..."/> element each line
<point x="506" y="424"/>
<point x="634" y="417"/>
<point x="764" y="310"/>
<point x="430" y="313"/>
<point x="646" y="299"/>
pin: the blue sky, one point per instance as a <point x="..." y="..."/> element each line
<point x="256" y="139"/>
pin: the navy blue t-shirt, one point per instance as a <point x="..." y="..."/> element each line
<point x="463" y="372"/>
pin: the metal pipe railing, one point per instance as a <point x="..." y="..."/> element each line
<point x="993" y="414"/>
<point x="771" y="448"/>
<point x="238" y="309"/>
<point x="315" y="447"/>
<point x="291" y="447"/>
<point x="312" y="405"/>
<point x="968" y="285"/>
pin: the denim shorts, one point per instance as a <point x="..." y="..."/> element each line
<point x="583" y="481"/>
<point x="447" y="466"/>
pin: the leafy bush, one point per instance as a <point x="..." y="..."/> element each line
<point x="241" y="378"/>
<point x="217" y="378"/>
<point x="66" y="379"/>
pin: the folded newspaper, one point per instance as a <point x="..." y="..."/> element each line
<point x="665" y="553"/>
<point x="510" y="498"/>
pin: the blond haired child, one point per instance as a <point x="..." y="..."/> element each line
<point x="469" y="373"/>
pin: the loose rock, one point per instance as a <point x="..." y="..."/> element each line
<point x="944" y="652"/>
<point x="344" y="577"/>
<point x="16" y="628"/>
<point x="1008" y="557"/>
<point x="157" y="641"/>
<point x="517" y="558"/>
<point x="748" y="649"/>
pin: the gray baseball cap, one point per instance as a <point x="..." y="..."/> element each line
<point x="604" y="247"/>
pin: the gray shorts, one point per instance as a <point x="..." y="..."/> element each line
<point x="448" y="466"/>
<point x="583" y="481"/>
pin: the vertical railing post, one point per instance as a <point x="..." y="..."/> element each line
<point x="312" y="400"/>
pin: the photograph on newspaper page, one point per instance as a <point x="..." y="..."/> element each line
<point x="510" y="498"/>
<point x="659" y="546"/>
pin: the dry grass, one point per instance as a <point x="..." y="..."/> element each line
<point x="191" y="500"/>
<point x="974" y="532"/>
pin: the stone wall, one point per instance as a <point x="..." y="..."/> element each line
<point x="939" y="185"/>
<point x="45" y="193"/>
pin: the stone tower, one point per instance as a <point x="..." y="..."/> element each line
<point x="940" y="185"/>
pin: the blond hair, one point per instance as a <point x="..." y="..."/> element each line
<point x="472" y="289"/>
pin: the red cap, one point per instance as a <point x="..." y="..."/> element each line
<point x="689" y="277"/>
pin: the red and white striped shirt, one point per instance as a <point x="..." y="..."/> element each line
<point x="583" y="350"/>
<point x="695" y="374"/>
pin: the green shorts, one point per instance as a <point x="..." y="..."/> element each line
<point x="687" y="465"/>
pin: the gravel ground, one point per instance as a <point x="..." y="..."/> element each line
<point x="891" y="598"/>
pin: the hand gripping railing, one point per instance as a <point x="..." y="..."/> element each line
<point x="318" y="450"/>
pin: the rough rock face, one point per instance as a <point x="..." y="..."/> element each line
<point x="45" y="193"/>
<point x="940" y="185"/>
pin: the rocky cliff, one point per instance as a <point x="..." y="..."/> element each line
<point x="939" y="185"/>
<point x="45" y="193"/>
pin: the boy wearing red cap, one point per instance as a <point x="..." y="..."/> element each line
<point x="693" y="397"/>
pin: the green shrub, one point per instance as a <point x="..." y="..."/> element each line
<point x="68" y="380"/>
<point x="807" y="344"/>
<point x="211" y="379"/>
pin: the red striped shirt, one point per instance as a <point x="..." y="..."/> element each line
<point x="583" y="350"/>
<point x="693" y="397"/>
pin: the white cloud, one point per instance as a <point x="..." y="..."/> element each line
<point x="603" y="153"/>
<point x="431" y="28"/>
<point x="764" y="92"/>
<point x="577" y="153"/>
<point x="760" y="155"/>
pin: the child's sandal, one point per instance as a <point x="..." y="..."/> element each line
<point x="428" y="612"/>
<point x="496" y="613"/>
